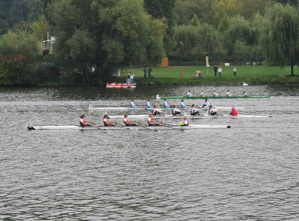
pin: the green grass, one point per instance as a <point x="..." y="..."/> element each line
<point x="254" y="75"/>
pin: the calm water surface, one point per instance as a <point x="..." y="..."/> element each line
<point x="248" y="172"/>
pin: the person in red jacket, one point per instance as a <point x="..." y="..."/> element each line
<point x="233" y="112"/>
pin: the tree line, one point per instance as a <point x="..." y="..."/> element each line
<point x="94" y="38"/>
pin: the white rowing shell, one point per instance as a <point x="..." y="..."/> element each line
<point x="128" y="127"/>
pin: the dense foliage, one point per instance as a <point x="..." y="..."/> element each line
<point x="95" y="38"/>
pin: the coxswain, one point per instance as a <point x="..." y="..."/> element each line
<point x="212" y="111"/>
<point x="215" y="94"/>
<point x="189" y="94"/>
<point x="151" y="122"/>
<point x="175" y="111"/>
<point x="156" y="111"/>
<point x="106" y="121"/>
<point x="228" y="94"/>
<point x="148" y="103"/>
<point x="184" y="106"/>
<point x="185" y="122"/>
<point x="233" y="112"/>
<point x="83" y="122"/>
<point x="194" y="111"/>
<point x="206" y="104"/>
<point x="127" y="122"/>
<point x="133" y="105"/>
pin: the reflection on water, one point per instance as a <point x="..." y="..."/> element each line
<point x="248" y="172"/>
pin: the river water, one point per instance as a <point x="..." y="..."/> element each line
<point x="247" y="172"/>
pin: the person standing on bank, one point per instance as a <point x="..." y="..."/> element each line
<point x="149" y="72"/>
<point x="235" y="71"/>
<point x="215" y="70"/>
<point x="219" y="71"/>
<point x="144" y="71"/>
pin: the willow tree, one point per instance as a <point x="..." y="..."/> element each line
<point x="280" y="36"/>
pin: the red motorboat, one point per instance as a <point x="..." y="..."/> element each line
<point x="120" y="85"/>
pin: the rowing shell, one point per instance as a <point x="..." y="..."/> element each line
<point x="90" y="107"/>
<point x="143" y="116"/>
<point x="219" y="97"/>
<point x="128" y="127"/>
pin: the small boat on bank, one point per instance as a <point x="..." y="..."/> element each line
<point x="219" y="97"/>
<point x="120" y="85"/>
<point x="169" y="127"/>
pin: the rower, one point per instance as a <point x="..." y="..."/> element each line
<point x="127" y="122"/>
<point x="228" y="94"/>
<point x="151" y="122"/>
<point x="215" y="94"/>
<point x="206" y="104"/>
<point x="148" y="104"/>
<point x="106" y="121"/>
<point x="233" y="112"/>
<point x="184" y="106"/>
<point x="185" y="122"/>
<point x="202" y="94"/>
<point x="165" y="104"/>
<point x="194" y="111"/>
<point x="133" y="105"/>
<point x="156" y="111"/>
<point x="83" y="122"/>
<point x="189" y="94"/>
<point x="175" y="111"/>
<point x="212" y="111"/>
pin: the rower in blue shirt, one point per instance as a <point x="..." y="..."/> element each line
<point x="206" y="104"/>
<point x="133" y="105"/>
<point x="165" y="104"/>
<point x="184" y="106"/>
<point x="148" y="104"/>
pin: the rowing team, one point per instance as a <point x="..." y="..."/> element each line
<point x="150" y="121"/>
<point x="167" y="106"/>
<point x="215" y="94"/>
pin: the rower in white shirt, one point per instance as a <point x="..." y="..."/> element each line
<point x="202" y="94"/>
<point x="194" y="111"/>
<point x="215" y="94"/>
<point x="228" y="94"/>
<point x="156" y="111"/>
<point x="175" y="111"/>
<point x="212" y="111"/>
<point x="189" y="94"/>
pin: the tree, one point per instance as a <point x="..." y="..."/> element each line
<point x="19" y="56"/>
<point x="280" y="36"/>
<point x="163" y="10"/>
<point x="106" y="35"/>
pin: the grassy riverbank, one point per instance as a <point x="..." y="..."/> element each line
<point x="254" y="75"/>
